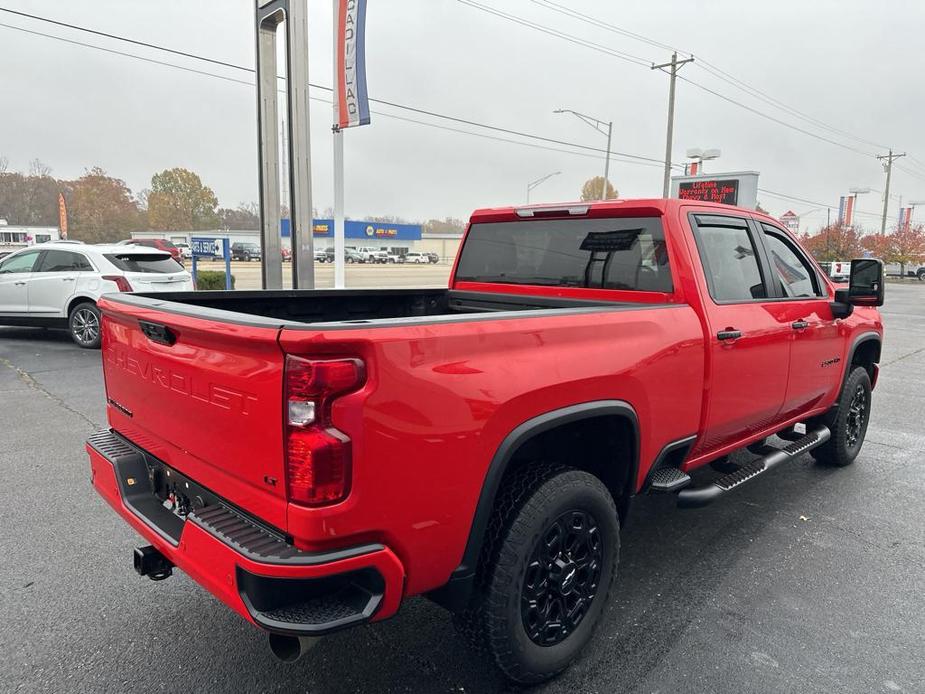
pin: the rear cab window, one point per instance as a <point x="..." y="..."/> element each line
<point x="144" y="262"/>
<point x="628" y="253"/>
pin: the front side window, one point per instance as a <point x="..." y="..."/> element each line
<point x="19" y="263"/>
<point x="794" y="273"/>
<point x="730" y="260"/>
<point x="623" y="253"/>
<point x="64" y="261"/>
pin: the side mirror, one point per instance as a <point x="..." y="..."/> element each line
<point x="865" y="286"/>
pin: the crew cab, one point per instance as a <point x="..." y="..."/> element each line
<point x="315" y="458"/>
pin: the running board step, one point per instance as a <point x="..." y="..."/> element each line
<point x="701" y="496"/>
<point x="668" y="480"/>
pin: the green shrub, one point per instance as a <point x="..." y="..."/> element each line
<point x="211" y="279"/>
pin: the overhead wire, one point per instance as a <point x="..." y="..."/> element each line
<point x="625" y="157"/>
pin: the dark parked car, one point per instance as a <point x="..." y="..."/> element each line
<point x="245" y="251"/>
<point x="350" y="256"/>
<point x="434" y="258"/>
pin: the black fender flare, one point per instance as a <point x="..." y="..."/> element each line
<point x="456" y="592"/>
<point x="863" y="338"/>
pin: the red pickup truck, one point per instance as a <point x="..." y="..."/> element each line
<point x="314" y="458"/>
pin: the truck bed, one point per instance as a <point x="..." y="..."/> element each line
<point x="351" y="306"/>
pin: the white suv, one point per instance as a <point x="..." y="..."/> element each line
<point x="57" y="285"/>
<point x="417" y="258"/>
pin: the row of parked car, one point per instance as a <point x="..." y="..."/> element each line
<point x="381" y="256"/>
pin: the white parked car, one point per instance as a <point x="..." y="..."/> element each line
<point x="57" y="285"/>
<point x="420" y="258"/>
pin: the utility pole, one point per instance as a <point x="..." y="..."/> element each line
<point x="890" y="158"/>
<point x="675" y="65"/>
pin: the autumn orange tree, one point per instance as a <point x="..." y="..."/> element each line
<point x="834" y="242"/>
<point x="591" y="190"/>
<point x="904" y="246"/>
<point x="101" y="208"/>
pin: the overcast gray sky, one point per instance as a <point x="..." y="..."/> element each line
<point x="854" y="65"/>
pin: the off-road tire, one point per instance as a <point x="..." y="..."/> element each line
<point x="848" y="431"/>
<point x="84" y="325"/>
<point x="529" y="504"/>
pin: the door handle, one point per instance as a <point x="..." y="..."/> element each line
<point x="18" y="284"/>
<point x="68" y="279"/>
<point x="799" y="324"/>
<point x="729" y="334"/>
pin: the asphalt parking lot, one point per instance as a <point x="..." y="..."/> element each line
<point x="809" y="579"/>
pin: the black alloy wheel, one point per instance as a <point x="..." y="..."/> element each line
<point x="562" y="578"/>
<point x="857" y="416"/>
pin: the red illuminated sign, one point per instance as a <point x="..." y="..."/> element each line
<point x="725" y="192"/>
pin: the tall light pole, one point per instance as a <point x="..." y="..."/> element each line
<point x="599" y="126"/>
<point x="912" y="206"/>
<point x="675" y="65"/>
<point x="534" y="184"/>
<point x="854" y="193"/>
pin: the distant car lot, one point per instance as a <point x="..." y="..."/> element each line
<point x="808" y="580"/>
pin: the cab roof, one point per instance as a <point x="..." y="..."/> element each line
<point x="600" y="208"/>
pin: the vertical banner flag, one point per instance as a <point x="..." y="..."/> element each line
<point x="905" y="217"/>
<point x="62" y="215"/>
<point x="849" y="210"/>
<point x="353" y="101"/>
<point x="841" y="210"/>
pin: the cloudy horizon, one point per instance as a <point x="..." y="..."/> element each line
<point x="847" y="65"/>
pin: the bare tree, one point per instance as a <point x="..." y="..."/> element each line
<point x="4" y="164"/>
<point x="39" y="169"/>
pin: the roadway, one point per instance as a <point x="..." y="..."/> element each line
<point x="810" y="579"/>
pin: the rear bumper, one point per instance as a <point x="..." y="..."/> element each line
<point x="251" y="568"/>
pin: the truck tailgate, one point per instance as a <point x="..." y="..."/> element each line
<point x="202" y="395"/>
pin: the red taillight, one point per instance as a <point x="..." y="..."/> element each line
<point x="122" y="283"/>
<point x="318" y="456"/>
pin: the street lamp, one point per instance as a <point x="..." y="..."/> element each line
<point x="534" y="184"/>
<point x="599" y="126"/>
<point x="700" y="156"/>
<point x="855" y="192"/>
<point x="912" y="206"/>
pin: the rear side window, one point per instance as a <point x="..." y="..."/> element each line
<point x="729" y="259"/>
<point x="147" y="262"/>
<point x="628" y="254"/>
<point x="64" y="261"/>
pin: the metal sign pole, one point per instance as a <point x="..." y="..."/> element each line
<point x="270" y="14"/>
<point x="300" y="168"/>
<point x="339" y="245"/>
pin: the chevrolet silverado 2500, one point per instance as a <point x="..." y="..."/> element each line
<point x="314" y="458"/>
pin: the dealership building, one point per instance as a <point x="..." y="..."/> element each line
<point x="16" y="237"/>
<point x="397" y="238"/>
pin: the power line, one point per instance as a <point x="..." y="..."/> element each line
<point x="628" y="57"/>
<point x="775" y="120"/>
<point x="636" y="59"/>
<point x="626" y="157"/>
<point x="711" y="68"/>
